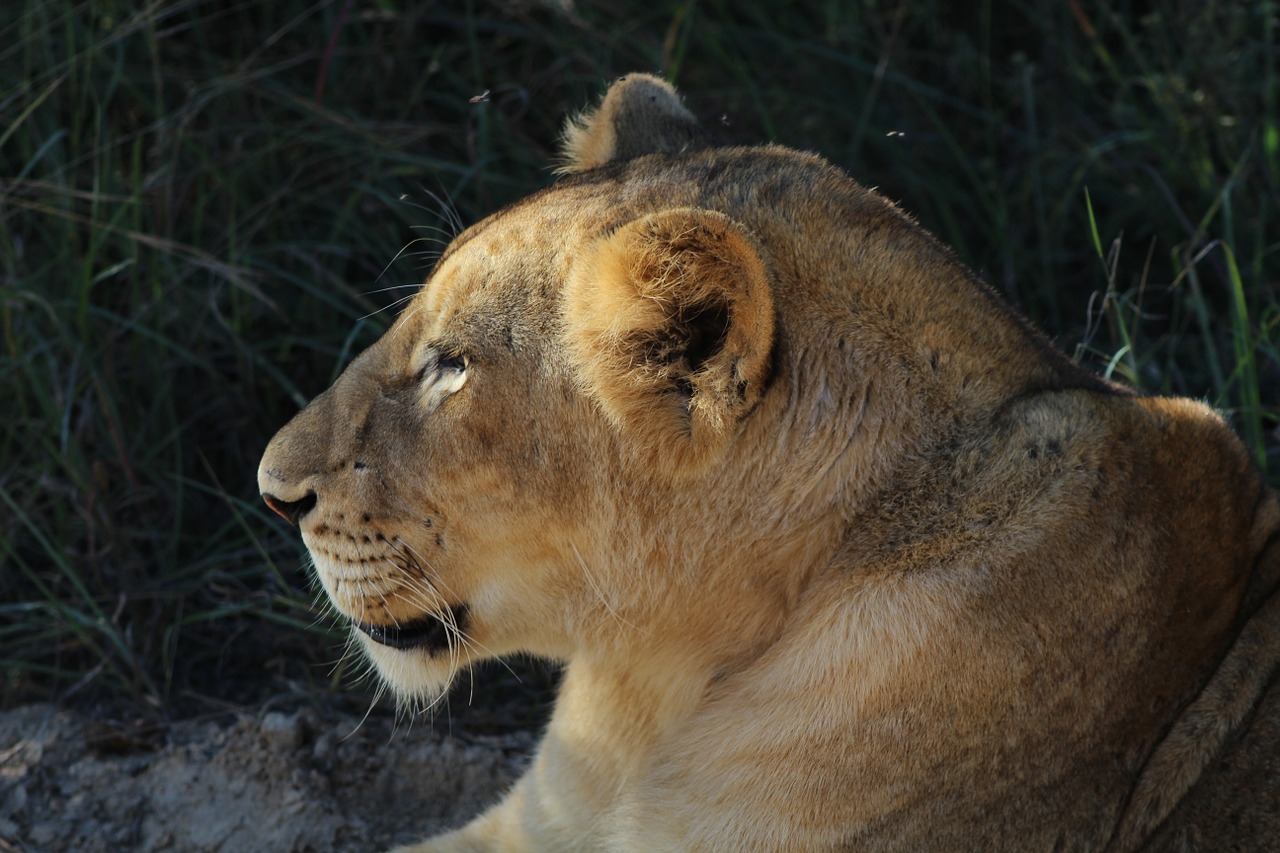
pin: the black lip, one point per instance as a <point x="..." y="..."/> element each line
<point x="429" y="632"/>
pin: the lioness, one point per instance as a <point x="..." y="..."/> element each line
<point x="837" y="552"/>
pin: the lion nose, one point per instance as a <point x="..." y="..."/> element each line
<point x="291" y="511"/>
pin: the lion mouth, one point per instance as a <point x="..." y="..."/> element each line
<point x="429" y="632"/>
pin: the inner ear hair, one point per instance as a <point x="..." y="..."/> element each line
<point x="640" y="114"/>
<point x="706" y="331"/>
<point x="696" y="332"/>
<point x="671" y="323"/>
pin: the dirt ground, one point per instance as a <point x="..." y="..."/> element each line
<point x="313" y="779"/>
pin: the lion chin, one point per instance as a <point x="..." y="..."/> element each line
<point x="837" y="552"/>
<point x="418" y="676"/>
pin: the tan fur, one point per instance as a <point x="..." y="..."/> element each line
<point x="640" y="114"/>
<point x="839" y="554"/>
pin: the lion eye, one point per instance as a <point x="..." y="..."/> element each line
<point x="440" y="364"/>
<point x="452" y="362"/>
<point x="441" y="375"/>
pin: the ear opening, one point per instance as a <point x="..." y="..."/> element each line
<point x="671" y="324"/>
<point x="640" y="114"/>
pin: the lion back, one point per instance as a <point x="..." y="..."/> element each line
<point x="1213" y="781"/>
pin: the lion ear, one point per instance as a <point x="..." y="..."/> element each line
<point x="640" y="114"/>
<point x="670" y="322"/>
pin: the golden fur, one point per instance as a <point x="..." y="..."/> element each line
<point x="838" y="553"/>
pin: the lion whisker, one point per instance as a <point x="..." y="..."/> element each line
<point x="591" y="581"/>
<point x="413" y="286"/>
<point x="402" y="250"/>
<point x="437" y="608"/>
<point x="446" y="209"/>
<point x="399" y="301"/>
<point x="424" y="566"/>
<point x="427" y="599"/>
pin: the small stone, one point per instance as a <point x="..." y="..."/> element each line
<point x="281" y="732"/>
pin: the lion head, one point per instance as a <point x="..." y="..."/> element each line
<point x="536" y="443"/>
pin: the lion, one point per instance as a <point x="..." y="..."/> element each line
<point x="837" y="552"/>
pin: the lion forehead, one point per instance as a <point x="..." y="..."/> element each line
<point x="499" y="282"/>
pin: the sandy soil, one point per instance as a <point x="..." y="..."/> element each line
<point x="308" y="780"/>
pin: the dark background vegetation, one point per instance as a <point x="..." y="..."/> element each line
<point x="205" y="208"/>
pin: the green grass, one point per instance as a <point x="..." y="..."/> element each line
<point x="206" y="207"/>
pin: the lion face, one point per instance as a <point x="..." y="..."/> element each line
<point x="515" y="454"/>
